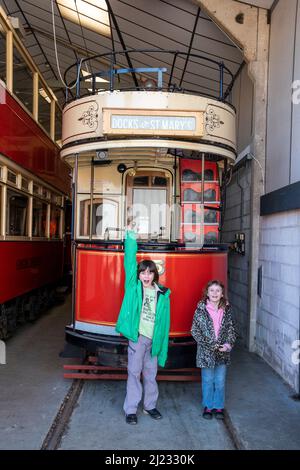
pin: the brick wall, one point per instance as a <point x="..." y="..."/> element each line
<point x="279" y="307"/>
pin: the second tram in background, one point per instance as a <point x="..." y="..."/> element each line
<point x="156" y="155"/>
<point x="35" y="186"/>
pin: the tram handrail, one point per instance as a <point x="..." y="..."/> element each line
<point x="115" y="71"/>
<point x="153" y="246"/>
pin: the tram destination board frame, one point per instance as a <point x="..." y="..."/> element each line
<point x="153" y="122"/>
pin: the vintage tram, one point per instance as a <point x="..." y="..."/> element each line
<point x="156" y="153"/>
<point x="34" y="187"/>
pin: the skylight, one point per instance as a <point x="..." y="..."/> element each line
<point x="98" y="79"/>
<point x="90" y="14"/>
<point x="44" y="94"/>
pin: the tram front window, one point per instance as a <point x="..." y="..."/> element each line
<point x="149" y="211"/>
<point x="148" y="202"/>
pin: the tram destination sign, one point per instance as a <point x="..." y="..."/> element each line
<point x="150" y="122"/>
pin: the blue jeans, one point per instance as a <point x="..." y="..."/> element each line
<point x="213" y="386"/>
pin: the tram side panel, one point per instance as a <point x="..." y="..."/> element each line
<point x="28" y="265"/>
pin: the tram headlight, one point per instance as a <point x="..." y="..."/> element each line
<point x="121" y="168"/>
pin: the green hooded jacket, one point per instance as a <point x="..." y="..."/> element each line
<point x="129" y="316"/>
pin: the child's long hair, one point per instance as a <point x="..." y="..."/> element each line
<point x="145" y="264"/>
<point x="223" y="301"/>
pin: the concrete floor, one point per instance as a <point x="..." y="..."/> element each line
<point x="31" y="383"/>
<point x="260" y="405"/>
<point x="100" y="419"/>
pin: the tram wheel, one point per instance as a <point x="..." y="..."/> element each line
<point x="32" y="308"/>
<point x="51" y="297"/>
<point x="11" y="314"/>
<point x="21" y="310"/>
<point x="3" y="323"/>
<point x="44" y="298"/>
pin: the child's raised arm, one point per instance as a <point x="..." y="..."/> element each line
<point x="130" y="264"/>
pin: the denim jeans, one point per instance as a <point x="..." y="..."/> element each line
<point x="213" y="386"/>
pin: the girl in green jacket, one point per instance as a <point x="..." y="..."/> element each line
<point x="144" y="320"/>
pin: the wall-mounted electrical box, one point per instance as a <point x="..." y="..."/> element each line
<point x="238" y="245"/>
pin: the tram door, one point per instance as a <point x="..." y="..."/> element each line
<point x="148" y="201"/>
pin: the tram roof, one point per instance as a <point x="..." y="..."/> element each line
<point x="163" y="24"/>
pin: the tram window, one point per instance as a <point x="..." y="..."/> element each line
<point x="11" y="177"/>
<point x="35" y="189"/>
<point x="148" y="203"/>
<point x="39" y="218"/>
<point x="58" y="200"/>
<point x="55" y="198"/>
<point x="55" y="222"/>
<point x="149" y="210"/>
<point x="141" y="181"/>
<point x="44" y="192"/>
<point x="16" y="215"/>
<point x="1" y="173"/>
<point x="44" y="108"/>
<point x="145" y="181"/>
<point x="159" y="181"/>
<point x="104" y="216"/>
<point x="2" y="55"/>
<point x="58" y="121"/>
<point x="22" y="80"/>
<point x="25" y="184"/>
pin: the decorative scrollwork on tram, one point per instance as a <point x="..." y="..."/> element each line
<point x="90" y="117"/>
<point x="212" y="119"/>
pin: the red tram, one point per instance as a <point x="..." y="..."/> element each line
<point x="34" y="187"/>
<point x="157" y="155"/>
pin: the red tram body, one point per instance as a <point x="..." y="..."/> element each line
<point x="34" y="184"/>
<point x="24" y="142"/>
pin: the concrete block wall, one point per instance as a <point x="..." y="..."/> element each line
<point x="278" y="309"/>
<point x="237" y="219"/>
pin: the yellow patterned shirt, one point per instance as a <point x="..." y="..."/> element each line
<point x="147" y="319"/>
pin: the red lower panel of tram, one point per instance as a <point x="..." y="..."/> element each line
<point x="27" y="265"/>
<point x="100" y="281"/>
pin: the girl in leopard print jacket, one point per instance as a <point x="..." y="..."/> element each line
<point x="214" y="331"/>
